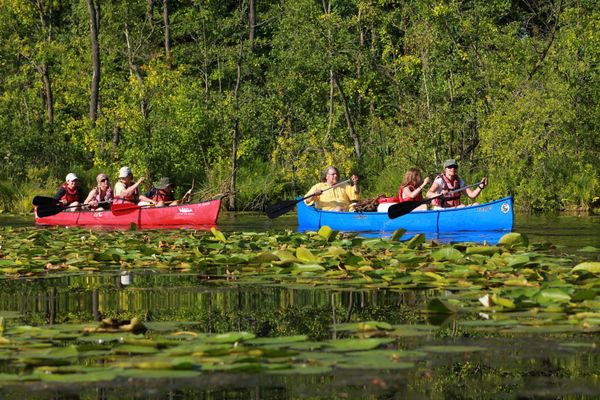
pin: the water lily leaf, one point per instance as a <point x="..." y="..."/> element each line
<point x="285" y="257"/>
<point x="302" y="370"/>
<point x="553" y="295"/>
<point x="326" y="232"/>
<point x="589" y="249"/>
<point x="583" y="294"/>
<point x="302" y="268"/>
<point x="447" y="254"/>
<point x="218" y="235"/>
<point x="10" y="378"/>
<point x="96" y="376"/>
<point x="305" y="254"/>
<point x="230" y="337"/>
<point x="363" y="326"/>
<point x="264" y="258"/>
<point x="590" y="266"/>
<point x="134" y="349"/>
<point x="278" y="340"/>
<point x="452" y="349"/>
<point x="484" y="250"/>
<point x="517" y="261"/>
<point x="398" y="233"/>
<point x="416" y="241"/>
<point x="501" y="301"/>
<point x="344" y="345"/>
<point x="514" y="239"/>
<point x="162" y="326"/>
<point x="438" y="306"/>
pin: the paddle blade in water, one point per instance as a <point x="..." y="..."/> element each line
<point x="278" y="209"/>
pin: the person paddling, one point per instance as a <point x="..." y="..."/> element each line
<point x="412" y="187"/>
<point x="162" y="193"/>
<point x="339" y="198"/>
<point x="69" y="194"/>
<point x="449" y="180"/>
<point x="102" y="194"/>
<point x="128" y="192"/>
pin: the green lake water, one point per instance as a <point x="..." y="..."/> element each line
<point x="521" y="364"/>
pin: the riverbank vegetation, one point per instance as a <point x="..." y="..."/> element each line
<point x="256" y="98"/>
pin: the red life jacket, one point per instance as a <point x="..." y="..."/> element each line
<point x="132" y="198"/>
<point x="70" y="196"/>
<point x="451" y="200"/>
<point x="418" y="197"/>
<point x="161" y="195"/>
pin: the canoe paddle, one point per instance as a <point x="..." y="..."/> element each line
<point x="400" y="209"/>
<point x="45" y="201"/>
<point x="278" y="209"/>
<point x="124" y="208"/>
<point x="48" y="210"/>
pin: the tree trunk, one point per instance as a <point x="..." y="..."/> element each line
<point x="133" y="67"/>
<point x="236" y="133"/>
<point x="94" y="11"/>
<point x="48" y="96"/>
<point x="251" y="19"/>
<point x="167" y="32"/>
<point x="351" y="130"/>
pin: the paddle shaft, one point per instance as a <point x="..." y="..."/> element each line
<point x="281" y="208"/>
<point x="400" y="209"/>
<point x="324" y="190"/>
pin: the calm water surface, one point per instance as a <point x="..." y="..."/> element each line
<point x="525" y="366"/>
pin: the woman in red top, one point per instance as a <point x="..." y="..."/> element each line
<point x="412" y="187"/>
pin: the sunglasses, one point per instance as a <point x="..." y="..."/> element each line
<point x="104" y="180"/>
<point x="452" y="166"/>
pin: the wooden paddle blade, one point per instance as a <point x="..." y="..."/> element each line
<point x="48" y="210"/>
<point x="45" y="201"/>
<point x="278" y="209"/>
<point x="123" y="208"/>
<point x="400" y="209"/>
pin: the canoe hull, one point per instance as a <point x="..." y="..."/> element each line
<point x="493" y="216"/>
<point x="193" y="214"/>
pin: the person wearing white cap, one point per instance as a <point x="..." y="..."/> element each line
<point x="126" y="191"/>
<point x="448" y="181"/>
<point x="69" y="193"/>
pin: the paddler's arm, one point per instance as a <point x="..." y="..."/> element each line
<point x="472" y="193"/>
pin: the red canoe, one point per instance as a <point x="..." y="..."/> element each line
<point x="185" y="215"/>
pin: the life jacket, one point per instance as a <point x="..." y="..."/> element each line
<point x="161" y="195"/>
<point x="70" y="196"/>
<point x="132" y="198"/>
<point x="418" y="197"/>
<point x="108" y="196"/>
<point x="451" y="200"/>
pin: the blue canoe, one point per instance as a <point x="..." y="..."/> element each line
<point x="493" y="216"/>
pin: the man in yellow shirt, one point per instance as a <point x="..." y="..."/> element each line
<point x="339" y="198"/>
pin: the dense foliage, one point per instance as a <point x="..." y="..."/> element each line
<point x="259" y="97"/>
